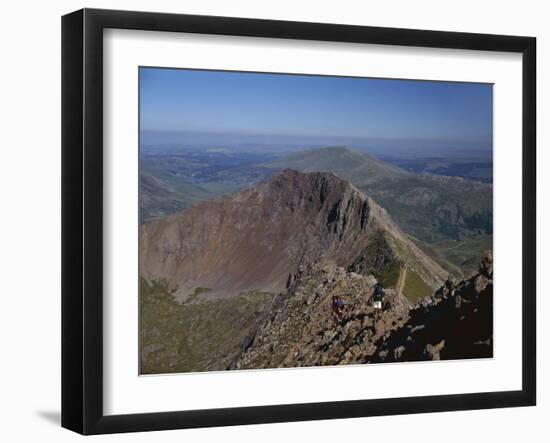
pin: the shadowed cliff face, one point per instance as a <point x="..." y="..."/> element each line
<point x="300" y="328"/>
<point x="455" y="323"/>
<point x="255" y="239"/>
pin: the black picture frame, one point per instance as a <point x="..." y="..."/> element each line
<point x="82" y="215"/>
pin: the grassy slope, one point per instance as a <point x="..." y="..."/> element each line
<point x="453" y="268"/>
<point x="465" y="254"/>
<point x="198" y="336"/>
<point x="415" y="288"/>
<point x="389" y="276"/>
<point x="430" y="209"/>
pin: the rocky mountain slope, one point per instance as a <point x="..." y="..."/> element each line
<point x="300" y="329"/>
<point x="255" y="239"/>
<point x="430" y="207"/>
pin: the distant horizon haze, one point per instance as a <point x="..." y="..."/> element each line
<point x="286" y="143"/>
<point x="197" y="107"/>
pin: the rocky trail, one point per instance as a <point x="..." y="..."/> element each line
<point x="301" y="330"/>
<point x="306" y="332"/>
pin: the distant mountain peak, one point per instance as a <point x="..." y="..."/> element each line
<point x="340" y="148"/>
<point x="359" y="168"/>
<point x="428" y="207"/>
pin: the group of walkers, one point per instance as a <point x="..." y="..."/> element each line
<point x="339" y="306"/>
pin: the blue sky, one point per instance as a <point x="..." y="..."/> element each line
<point x="293" y="105"/>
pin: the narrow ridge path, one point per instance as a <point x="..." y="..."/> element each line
<point x="401" y="280"/>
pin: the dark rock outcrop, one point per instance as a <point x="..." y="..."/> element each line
<point x="455" y="323"/>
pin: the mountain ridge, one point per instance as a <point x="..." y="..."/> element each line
<point x="222" y="244"/>
<point x="360" y="168"/>
<point x="429" y="207"/>
<point x="302" y="330"/>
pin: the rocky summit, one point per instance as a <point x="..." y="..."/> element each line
<point x="429" y="207"/>
<point x="253" y="240"/>
<point x="300" y="328"/>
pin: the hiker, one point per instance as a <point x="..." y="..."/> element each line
<point x="378" y="295"/>
<point x="337" y="307"/>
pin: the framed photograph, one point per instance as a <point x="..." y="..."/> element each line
<point x="268" y="221"/>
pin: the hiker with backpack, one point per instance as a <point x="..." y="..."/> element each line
<point x="338" y="306"/>
<point x="378" y="295"/>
